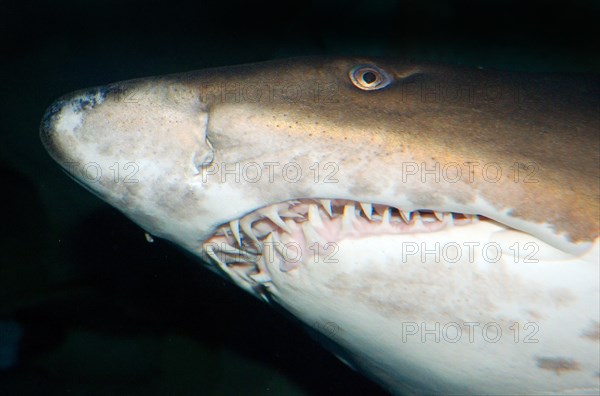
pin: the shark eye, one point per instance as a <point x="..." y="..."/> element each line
<point x="369" y="77"/>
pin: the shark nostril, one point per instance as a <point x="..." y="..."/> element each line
<point x="205" y="153"/>
<point x="204" y="158"/>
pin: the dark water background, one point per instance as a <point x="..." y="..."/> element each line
<point x="87" y="306"/>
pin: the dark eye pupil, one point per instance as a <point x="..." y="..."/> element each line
<point x="369" y="77"/>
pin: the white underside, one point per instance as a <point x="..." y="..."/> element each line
<point x="427" y="322"/>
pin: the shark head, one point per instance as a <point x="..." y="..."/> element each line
<point x="370" y="196"/>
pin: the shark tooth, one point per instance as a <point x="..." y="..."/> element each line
<point x="271" y="214"/>
<point x="418" y="220"/>
<point x="290" y="213"/>
<point x="327" y="206"/>
<point x="438" y="215"/>
<point x="268" y="259"/>
<point x="406" y="215"/>
<point x="235" y="230"/>
<point x="226" y="248"/>
<point x="314" y="216"/>
<point x="349" y="216"/>
<point x="367" y="209"/>
<point x="246" y="224"/>
<point x="209" y="249"/>
<point x="386" y="215"/>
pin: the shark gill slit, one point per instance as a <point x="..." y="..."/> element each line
<point x="313" y="225"/>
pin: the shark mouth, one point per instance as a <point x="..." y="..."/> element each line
<point x="299" y="230"/>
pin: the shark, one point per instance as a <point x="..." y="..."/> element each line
<point x="436" y="227"/>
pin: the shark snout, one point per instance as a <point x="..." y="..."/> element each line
<point x="62" y="122"/>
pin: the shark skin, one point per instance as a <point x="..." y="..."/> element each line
<point x="436" y="226"/>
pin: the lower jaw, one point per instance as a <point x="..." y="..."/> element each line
<point x="370" y="289"/>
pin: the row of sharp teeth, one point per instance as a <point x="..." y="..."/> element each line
<point x="308" y="210"/>
<point x="246" y="263"/>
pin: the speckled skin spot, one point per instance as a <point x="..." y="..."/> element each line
<point x="592" y="332"/>
<point x="558" y="365"/>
